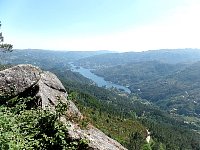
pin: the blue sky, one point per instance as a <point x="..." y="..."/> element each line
<point x="121" y="25"/>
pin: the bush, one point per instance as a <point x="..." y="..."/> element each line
<point x="22" y="128"/>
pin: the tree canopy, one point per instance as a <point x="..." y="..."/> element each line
<point x="4" y="46"/>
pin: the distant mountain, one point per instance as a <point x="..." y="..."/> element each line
<point x="174" y="87"/>
<point x="165" y="56"/>
<point x="138" y="71"/>
<point x="46" y="58"/>
<point x="165" y="95"/>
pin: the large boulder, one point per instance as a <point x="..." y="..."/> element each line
<point x="28" y="80"/>
<point x="17" y="79"/>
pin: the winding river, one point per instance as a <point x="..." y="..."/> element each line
<point x="97" y="79"/>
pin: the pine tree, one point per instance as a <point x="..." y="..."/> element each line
<point x="3" y="46"/>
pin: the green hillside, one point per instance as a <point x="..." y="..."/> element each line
<point x="164" y="96"/>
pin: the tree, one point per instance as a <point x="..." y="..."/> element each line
<point x="136" y="141"/>
<point x="3" y="46"/>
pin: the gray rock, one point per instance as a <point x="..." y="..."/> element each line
<point x="50" y="90"/>
<point x="17" y="79"/>
<point x="97" y="139"/>
<point x="52" y="81"/>
<point x="26" y="79"/>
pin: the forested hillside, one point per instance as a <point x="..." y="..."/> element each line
<point x="163" y="99"/>
<point x="173" y="87"/>
<point x="126" y="119"/>
<point x="166" y="56"/>
<point x="45" y="58"/>
<point x="99" y="75"/>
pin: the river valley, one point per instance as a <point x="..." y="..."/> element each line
<point x="97" y="79"/>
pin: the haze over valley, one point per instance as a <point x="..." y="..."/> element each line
<point x="100" y="74"/>
<point x="163" y="98"/>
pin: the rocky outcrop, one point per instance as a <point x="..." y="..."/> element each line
<point x="18" y="79"/>
<point x="27" y="80"/>
<point x="98" y="140"/>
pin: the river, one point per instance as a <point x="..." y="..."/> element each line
<point x="97" y="79"/>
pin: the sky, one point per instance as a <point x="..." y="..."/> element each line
<point x="117" y="25"/>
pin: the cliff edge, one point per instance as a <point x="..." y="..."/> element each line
<point x="28" y="80"/>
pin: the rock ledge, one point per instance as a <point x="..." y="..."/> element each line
<point x="28" y="80"/>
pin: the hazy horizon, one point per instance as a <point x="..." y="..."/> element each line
<point x="89" y="25"/>
<point x="110" y="51"/>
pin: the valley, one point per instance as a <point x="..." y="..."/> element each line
<point x="100" y="75"/>
<point x="99" y="81"/>
<point x="163" y="97"/>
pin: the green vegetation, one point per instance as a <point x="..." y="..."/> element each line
<point x="172" y="87"/>
<point x="164" y="99"/>
<point x="137" y="72"/>
<point x="45" y="59"/>
<point x="2" y="67"/>
<point x="171" y="56"/>
<point x="115" y="126"/>
<point x="4" y="47"/>
<point x="22" y="127"/>
<point x="127" y="120"/>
